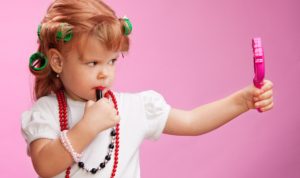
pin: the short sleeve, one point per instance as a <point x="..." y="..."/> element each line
<point x="39" y="123"/>
<point x="156" y="111"/>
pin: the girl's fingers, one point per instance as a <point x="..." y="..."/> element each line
<point x="268" y="85"/>
<point x="263" y="98"/>
<point x="268" y="107"/>
<point x="264" y="103"/>
<point x="266" y="95"/>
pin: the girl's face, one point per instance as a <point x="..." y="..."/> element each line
<point x="81" y="74"/>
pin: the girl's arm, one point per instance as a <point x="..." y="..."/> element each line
<point x="49" y="157"/>
<point x="213" y="115"/>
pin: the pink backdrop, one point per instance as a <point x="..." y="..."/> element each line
<point x="192" y="53"/>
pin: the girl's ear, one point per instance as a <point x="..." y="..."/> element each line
<point x="55" y="60"/>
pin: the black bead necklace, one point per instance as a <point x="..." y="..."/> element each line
<point x="107" y="158"/>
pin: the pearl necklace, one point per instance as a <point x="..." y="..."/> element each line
<point x="63" y="120"/>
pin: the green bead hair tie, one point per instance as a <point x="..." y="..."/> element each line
<point x="128" y="27"/>
<point x="38" y="61"/>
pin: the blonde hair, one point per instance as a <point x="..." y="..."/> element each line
<point x="92" y="17"/>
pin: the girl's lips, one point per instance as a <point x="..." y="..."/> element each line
<point x="103" y="89"/>
<point x="100" y="88"/>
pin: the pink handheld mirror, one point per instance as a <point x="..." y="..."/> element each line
<point x="259" y="63"/>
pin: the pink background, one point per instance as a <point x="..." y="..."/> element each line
<point x="192" y="53"/>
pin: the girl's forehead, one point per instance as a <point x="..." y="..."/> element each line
<point x="93" y="49"/>
<point x="90" y="47"/>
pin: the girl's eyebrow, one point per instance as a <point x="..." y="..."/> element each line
<point x="84" y="58"/>
<point x="113" y="57"/>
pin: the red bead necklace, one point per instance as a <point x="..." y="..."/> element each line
<point x="63" y="119"/>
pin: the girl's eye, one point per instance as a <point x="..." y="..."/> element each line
<point x="112" y="62"/>
<point x="92" y="64"/>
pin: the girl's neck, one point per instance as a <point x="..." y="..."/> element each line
<point x="74" y="97"/>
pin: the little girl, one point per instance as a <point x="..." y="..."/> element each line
<point x="71" y="131"/>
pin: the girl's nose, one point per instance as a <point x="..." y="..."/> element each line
<point x="102" y="74"/>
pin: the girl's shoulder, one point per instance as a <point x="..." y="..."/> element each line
<point x="141" y="94"/>
<point x="45" y="102"/>
<point x="149" y="99"/>
<point x="40" y="121"/>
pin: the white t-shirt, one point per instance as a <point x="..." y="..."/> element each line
<point x="143" y="116"/>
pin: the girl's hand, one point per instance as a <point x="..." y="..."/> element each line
<point x="255" y="98"/>
<point x="100" y="115"/>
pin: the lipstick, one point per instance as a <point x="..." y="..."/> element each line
<point x="99" y="92"/>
